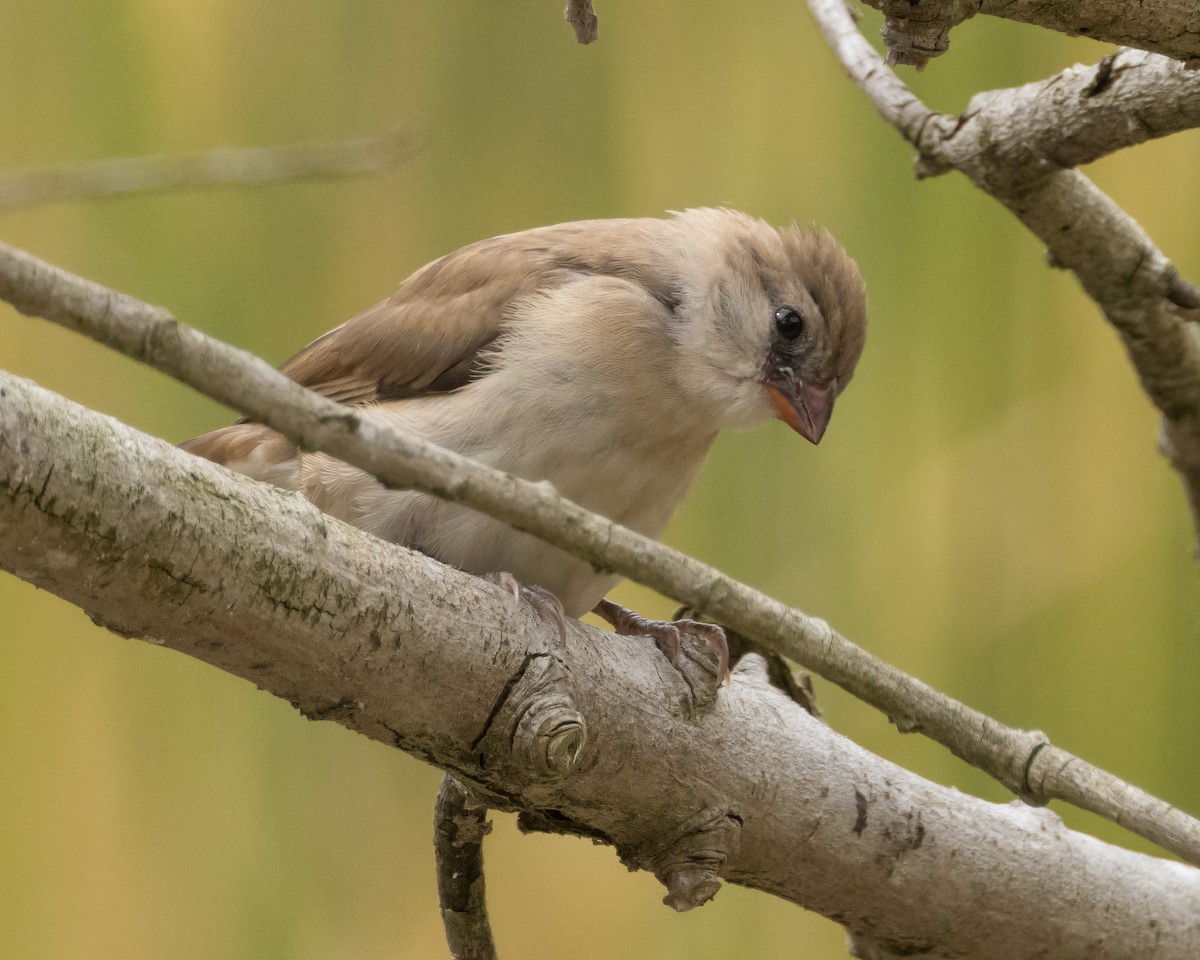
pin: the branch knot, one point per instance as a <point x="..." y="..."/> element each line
<point x="547" y="732"/>
<point x="690" y="864"/>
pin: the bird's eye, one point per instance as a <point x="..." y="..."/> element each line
<point x="789" y="322"/>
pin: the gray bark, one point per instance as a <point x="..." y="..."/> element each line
<point x="1024" y="761"/>
<point x="917" y="30"/>
<point x="597" y="736"/>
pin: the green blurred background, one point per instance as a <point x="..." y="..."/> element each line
<point x="988" y="510"/>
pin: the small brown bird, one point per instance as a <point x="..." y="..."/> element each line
<point x="603" y="356"/>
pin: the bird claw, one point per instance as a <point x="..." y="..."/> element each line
<point x="668" y="635"/>
<point x="544" y="603"/>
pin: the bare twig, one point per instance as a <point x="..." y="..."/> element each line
<point x="1020" y="163"/>
<point x="915" y="32"/>
<point x="583" y="20"/>
<point x="459" y="825"/>
<point x="232" y="165"/>
<point x="1018" y="759"/>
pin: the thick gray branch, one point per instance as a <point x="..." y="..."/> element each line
<point x="1014" y="143"/>
<point x="916" y="31"/>
<point x="231" y="165"/>
<point x="1077" y="116"/>
<point x="598" y="736"/>
<point x="1017" y="758"/>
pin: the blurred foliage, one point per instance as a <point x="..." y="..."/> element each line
<point x="988" y="509"/>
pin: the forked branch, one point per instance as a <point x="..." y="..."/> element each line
<point x="1020" y="146"/>
<point x="1024" y="761"/>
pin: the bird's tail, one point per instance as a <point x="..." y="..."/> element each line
<point x="253" y="450"/>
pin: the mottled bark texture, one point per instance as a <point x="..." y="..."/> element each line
<point x="583" y="20"/>
<point x="597" y="735"/>
<point x="917" y="30"/>
<point x="459" y="825"/>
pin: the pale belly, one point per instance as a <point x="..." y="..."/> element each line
<point x="478" y="544"/>
<point x="638" y="488"/>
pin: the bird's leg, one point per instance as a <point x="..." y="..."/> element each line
<point x="545" y="604"/>
<point x="667" y="635"/>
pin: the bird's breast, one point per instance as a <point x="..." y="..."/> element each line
<point x="593" y="452"/>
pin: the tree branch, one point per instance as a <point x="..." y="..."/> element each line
<point x="231" y="165"/>
<point x="1079" y="115"/>
<point x="1013" y="144"/>
<point x="152" y="542"/>
<point x="916" y="32"/>
<point x="583" y="20"/>
<point x="1024" y="761"/>
<point x="459" y="825"/>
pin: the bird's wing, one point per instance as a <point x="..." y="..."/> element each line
<point x="433" y="334"/>
<point x="430" y="336"/>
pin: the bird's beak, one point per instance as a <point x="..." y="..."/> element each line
<point x="805" y="407"/>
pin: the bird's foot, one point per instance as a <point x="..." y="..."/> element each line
<point x="796" y="684"/>
<point x="668" y="635"/>
<point x="545" y="604"/>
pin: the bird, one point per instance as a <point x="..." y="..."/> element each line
<point x="603" y="356"/>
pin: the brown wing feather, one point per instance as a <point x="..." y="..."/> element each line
<point x="431" y="335"/>
<point x="249" y="448"/>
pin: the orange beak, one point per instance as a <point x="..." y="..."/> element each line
<point x="804" y="407"/>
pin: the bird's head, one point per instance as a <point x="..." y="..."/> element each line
<point x="774" y="320"/>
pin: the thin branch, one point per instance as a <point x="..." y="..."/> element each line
<point x="1019" y="162"/>
<point x="459" y="825"/>
<point x="1016" y="758"/>
<point x="583" y="20"/>
<point x="915" y="32"/>
<point x="231" y="165"/>
<point x="597" y="736"/>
